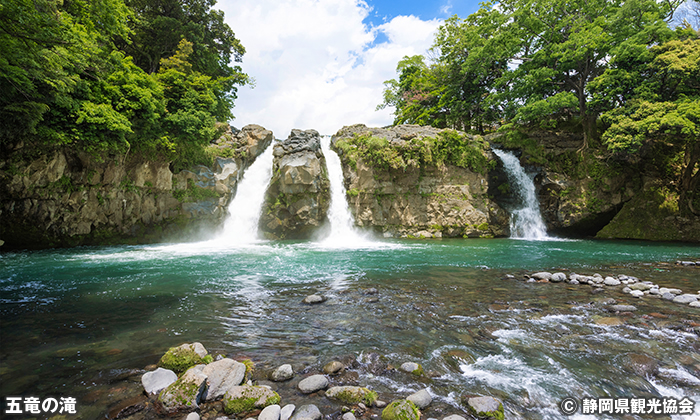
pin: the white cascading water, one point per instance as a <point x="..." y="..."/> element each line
<point x="343" y="233"/>
<point x="525" y="222"/>
<point x="244" y="210"/>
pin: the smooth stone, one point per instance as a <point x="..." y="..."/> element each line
<point x="287" y="411"/>
<point x="307" y="412"/>
<point x="314" y="299"/>
<point x="348" y="394"/>
<point x="454" y="417"/>
<point x="313" y="383"/>
<point x="609" y="321"/>
<point x="574" y="282"/>
<point x="421" y="398"/>
<point x="271" y="412"/>
<point x="221" y="376"/>
<point x="622" y="308"/>
<point x="609" y="281"/>
<point x="626" y="290"/>
<point x="668" y="296"/>
<point x="158" y="380"/>
<point x="282" y="373"/>
<point x="484" y="405"/>
<point x="192" y="416"/>
<point x="557" y="277"/>
<point x="687" y="298"/>
<point x="349" y="416"/>
<point x="641" y="286"/>
<point x="410" y="367"/>
<point x="665" y="290"/>
<point x="695" y="304"/>
<point x="380" y="404"/>
<point x="333" y="367"/>
<point x="637" y="293"/>
<point x="542" y="275"/>
<point x="654" y="291"/>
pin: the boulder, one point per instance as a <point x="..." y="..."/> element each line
<point x="314" y="299"/>
<point x="421" y="398"/>
<point x="282" y="373"/>
<point x="245" y="398"/>
<point x="185" y="394"/>
<point x="156" y="381"/>
<point x="221" y="376"/>
<point x="542" y="275"/>
<point x="179" y="359"/>
<point x="352" y="395"/>
<point x="313" y="383"/>
<point x="401" y="410"/>
<point x="297" y="199"/>
<point x="333" y="368"/>
<point x="307" y="412"/>
<point x="485" y="407"/>
<point x="558" y="277"/>
<point x="610" y="281"/>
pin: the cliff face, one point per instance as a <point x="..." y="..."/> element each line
<point x="297" y="199"/>
<point x="69" y="198"/>
<point x="419" y="199"/>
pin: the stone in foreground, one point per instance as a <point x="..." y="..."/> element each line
<point x="485" y="408"/>
<point x="282" y="373"/>
<point x="307" y="412"/>
<point x="401" y="410"/>
<point x="158" y="380"/>
<point x="313" y="383"/>
<point x="412" y="367"/>
<point x="245" y="398"/>
<point x="221" y="376"/>
<point x="179" y="359"/>
<point x="271" y="412"/>
<point x="421" y="398"/>
<point x="185" y="393"/>
<point x="352" y="395"/>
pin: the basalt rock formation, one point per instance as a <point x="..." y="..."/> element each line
<point x="297" y="199"/>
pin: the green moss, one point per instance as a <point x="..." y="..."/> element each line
<point x="240" y="405"/>
<point x="354" y="395"/>
<point x="401" y="410"/>
<point x="249" y="400"/>
<point x="483" y="226"/>
<point x="207" y="359"/>
<point x="353" y="192"/>
<point x="491" y="415"/>
<point x="249" y="368"/>
<point x="179" y="360"/>
<point x="194" y="193"/>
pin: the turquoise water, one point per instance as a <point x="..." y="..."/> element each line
<point x="79" y="321"/>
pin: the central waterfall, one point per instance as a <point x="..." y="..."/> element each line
<point x="525" y="222"/>
<point x="343" y="232"/>
<point x="244" y="210"/>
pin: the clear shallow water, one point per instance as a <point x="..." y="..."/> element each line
<point x="75" y="322"/>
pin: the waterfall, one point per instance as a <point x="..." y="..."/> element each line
<point x="343" y="232"/>
<point x="244" y="211"/>
<point x="525" y="222"/>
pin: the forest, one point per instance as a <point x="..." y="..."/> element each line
<point x="117" y="76"/>
<point x="617" y="72"/>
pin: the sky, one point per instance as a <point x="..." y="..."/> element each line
<point x="321" y="64"/>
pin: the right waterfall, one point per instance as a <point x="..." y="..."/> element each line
<point x="525" y="221"/>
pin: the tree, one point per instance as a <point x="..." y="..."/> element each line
<point x="662" y="112"/>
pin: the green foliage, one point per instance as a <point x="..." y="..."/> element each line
<point x="448" y="148"/>
<point x="194" y="193"/>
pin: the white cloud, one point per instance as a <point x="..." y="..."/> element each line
<point x="314" y="63"/>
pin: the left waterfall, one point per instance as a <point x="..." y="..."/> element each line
<point x="241" y="227"/>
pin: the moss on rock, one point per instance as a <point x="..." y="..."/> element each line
<point x="352" y="395"/>
<point x="401" y="410"/>
<point x="179" y="359"/>
<point x="245" y="398"/>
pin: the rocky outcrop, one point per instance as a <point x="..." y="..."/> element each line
<point x="297" y="199"/>
<point x="417" y="198"/>
<point x="68" y="198"/>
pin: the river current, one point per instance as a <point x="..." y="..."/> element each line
<point x="80" y="322"/>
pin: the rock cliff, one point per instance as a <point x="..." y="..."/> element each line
<point x="297" y="199"/>
<point x="68" y="198"/>
<point x="411" y="181"/>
